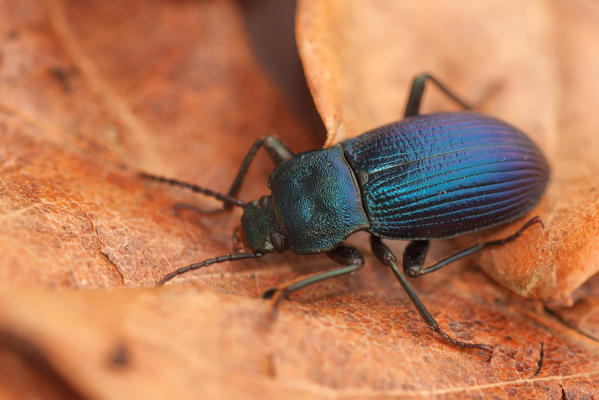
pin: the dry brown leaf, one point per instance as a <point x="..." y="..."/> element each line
<point x="190" y="343"/>
<point x="531" y="63"/>
<point x="92" y="92"/>
<point x="168" y="91"/>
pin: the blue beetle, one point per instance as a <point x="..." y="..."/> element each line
<point x="425" y="177"/>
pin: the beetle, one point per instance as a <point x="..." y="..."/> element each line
<point x="423" y="178"/>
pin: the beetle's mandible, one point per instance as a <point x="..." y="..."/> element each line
<point x="425" y="177"/>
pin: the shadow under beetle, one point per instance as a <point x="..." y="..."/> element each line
<point x="425" y="177"/>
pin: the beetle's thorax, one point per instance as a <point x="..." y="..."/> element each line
<point x="317" y="200"/>
<point x="262" y="231"/>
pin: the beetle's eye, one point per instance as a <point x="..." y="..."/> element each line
<point x="279" y="241"/>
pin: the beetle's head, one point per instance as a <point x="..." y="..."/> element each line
<point x="260" y="227"/>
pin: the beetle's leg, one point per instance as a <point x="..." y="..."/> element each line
<point x="349" y="256"/>
<point x="413" y="257"/>
<point x="277" y="151"/>
<point x="540" y="362"/>
<point x="417" y="90"/>
<point x="385" y="256"/>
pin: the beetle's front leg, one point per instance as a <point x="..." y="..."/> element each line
<point x="349" y="256"/>
<point x="277" y="151"/>
<point x="415" y="252"/>
<point x="385" y="256"/>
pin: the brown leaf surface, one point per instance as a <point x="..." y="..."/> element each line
<point x="533" y="64"/>
<point x="92" y="92"/>
<point x="190" y="343"/>
<point x="149" y="93"/>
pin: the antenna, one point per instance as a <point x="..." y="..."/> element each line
<point x="222" y="197"/>
<point x="205" y="263"/>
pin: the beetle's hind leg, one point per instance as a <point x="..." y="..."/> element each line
<point x="385" y="256"/>
<point x="417" y="91"/>
<point x="349" y="256"/>
<point x="415" y="253"/>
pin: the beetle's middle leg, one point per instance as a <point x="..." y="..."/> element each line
<point x="349" y="256"/>
<point x="415" y="253"/>
<point x="417" y="90"/>
<point x="385" y="256"/>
